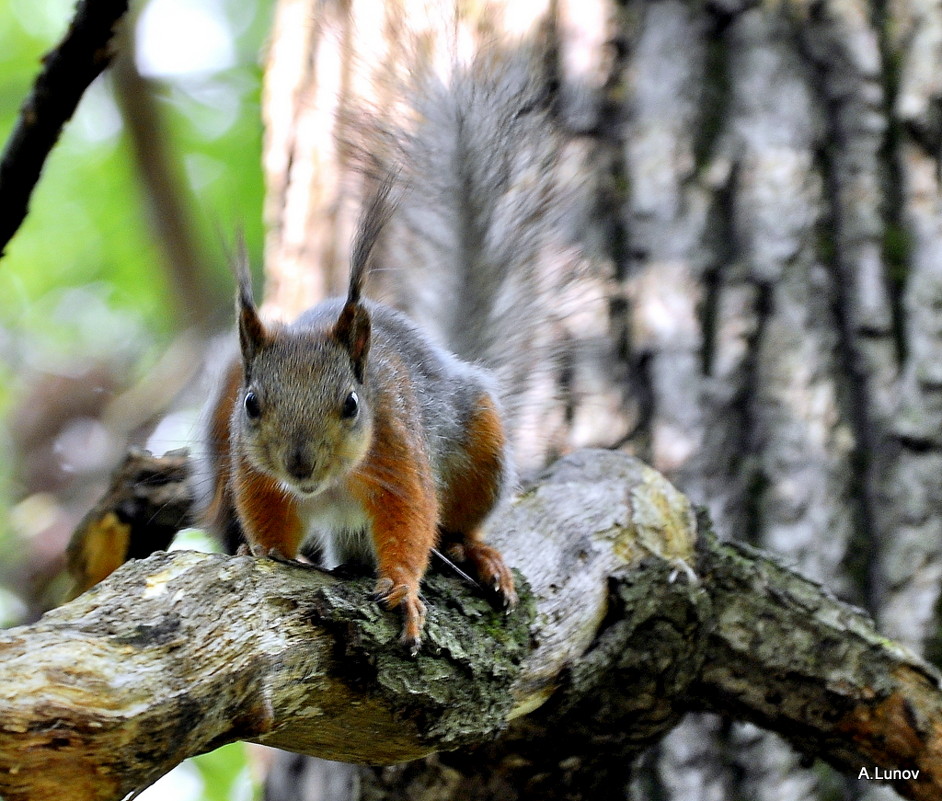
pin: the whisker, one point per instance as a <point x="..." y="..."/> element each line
<point x="455" y="567"/>
<point x="392" y="488"/>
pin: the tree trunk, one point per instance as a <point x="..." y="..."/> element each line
<point x="763" y="224"/>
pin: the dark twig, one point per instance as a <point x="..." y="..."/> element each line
<point x="67" y="72"/>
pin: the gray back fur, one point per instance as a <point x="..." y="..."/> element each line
<point x="479" y="249"/>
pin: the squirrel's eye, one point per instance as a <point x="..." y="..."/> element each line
<point x="351" y="405"/>
<point x="253" y="408"/>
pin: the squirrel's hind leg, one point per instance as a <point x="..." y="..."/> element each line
<point x="486" y="564"/>
<point x="476" y="485"/>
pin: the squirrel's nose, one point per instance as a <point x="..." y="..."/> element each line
<point x="299" y="463"/>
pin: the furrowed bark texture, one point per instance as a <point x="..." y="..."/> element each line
<point x="632" y="614"/>
<point x="766" y="236"/>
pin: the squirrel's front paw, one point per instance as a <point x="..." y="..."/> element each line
<point x="263" y="552"/>
<point x="405" y="596"/>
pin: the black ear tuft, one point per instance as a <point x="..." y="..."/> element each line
<point x="353" y="332"/>
<point x="252" y="333"/>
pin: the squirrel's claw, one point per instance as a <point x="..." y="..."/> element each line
<point x="275" y="555"/>
<point x="260" y="551"/>
<point x="407" y="598"/>
<point x="380" y="594"/>
<point x="506" y="595"/>
<point x="493" y="573"/>
<point x="411" y="644"/>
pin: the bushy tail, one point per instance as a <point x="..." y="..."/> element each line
<point x="479" y="249"/>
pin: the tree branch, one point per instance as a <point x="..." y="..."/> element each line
<point x="148" y="502"/>
<point x="789" y="657"/>
<point x="67" y="72"/>
<point x="630" y="617"/>
<point x="165" y="192"/>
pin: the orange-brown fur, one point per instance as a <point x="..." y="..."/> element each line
<point x="394" y="485"/>
<point x="472" y="494"/>
<point x="476" y="485"/>
<point x="219" y="512"/>
<point x="268" y="514"/>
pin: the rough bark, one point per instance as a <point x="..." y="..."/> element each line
<point x="632" y="614"/>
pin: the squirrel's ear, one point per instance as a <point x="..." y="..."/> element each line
<point x="353" y="332"/>
<point x="252" y="333"/>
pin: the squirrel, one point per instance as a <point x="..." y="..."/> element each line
<point x="381" y="432"/>
<point x="351" y="427"/>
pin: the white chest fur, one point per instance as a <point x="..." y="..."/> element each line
<point x="339" y="524"/>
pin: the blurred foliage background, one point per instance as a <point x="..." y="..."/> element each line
<point x="102" y="320"/>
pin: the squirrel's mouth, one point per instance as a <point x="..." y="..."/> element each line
<point x="306" y="489"/>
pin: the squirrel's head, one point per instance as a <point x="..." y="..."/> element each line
<point x="303" y="415"/>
